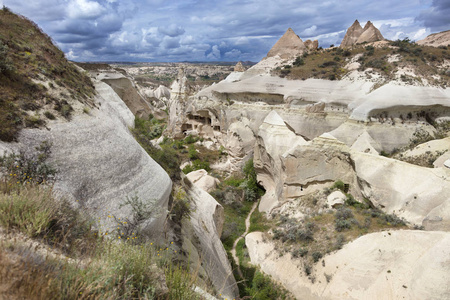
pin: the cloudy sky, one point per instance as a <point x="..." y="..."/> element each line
<point x="210" y="30"/>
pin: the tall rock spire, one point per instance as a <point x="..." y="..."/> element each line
<point x="357" y="35"/>
<point x="352" y="35"/>
<point x="288" y="46"/>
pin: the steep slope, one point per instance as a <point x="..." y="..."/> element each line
<point x="99" y="163"/>
<point x="37" y="83"/>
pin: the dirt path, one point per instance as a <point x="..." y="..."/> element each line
<point x="247" y="227"/>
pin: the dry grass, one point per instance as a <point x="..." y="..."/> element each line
<point x="32" y="57"/>
<point x="330" y="63"/>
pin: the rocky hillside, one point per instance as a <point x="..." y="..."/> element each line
<point x="349" y="145"/>
<point x="37" y="83"/>
<point x="440" y="39"/>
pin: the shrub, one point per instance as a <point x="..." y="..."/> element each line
<point x="299" y="61"/>
<point x="29" y="168"/>
<point x="316" y="256"/>
<point x="300" y="252"/>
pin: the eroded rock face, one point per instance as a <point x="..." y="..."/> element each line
<point x="288" y="46"/>
<point x="396" y="265"/>
<point x="207" y="219"/>
<point x="352" y="34"/>
<point x="357" y="35"/>
<point x="128" y="92"/>
<point x="418" y="194"/>
<point x="274" y="140"/>
<point x="100" y="163"/>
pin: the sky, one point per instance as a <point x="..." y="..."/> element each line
<point x="210" y="30"/>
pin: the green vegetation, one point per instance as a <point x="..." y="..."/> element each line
<point x="91" y="266"/>
<point x="315" y="236"/>
<point x="330" y="63"/>
<point x="27" y="54"/>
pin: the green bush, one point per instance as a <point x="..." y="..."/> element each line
<point x="316" y="256"/>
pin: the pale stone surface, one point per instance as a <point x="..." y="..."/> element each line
<point x="365" y="143"/>
<point x="335" y="199"/>
<point x="162" y="92"/>
<point x="447" y="163"/>
<point x="127" y="91"/>
<point x="436" y="39"/>
<point x="288" y="46"/>
<point x="202" y="180"/>
<point x="311" y="45"/>
<point x="418" y="194"/>
<point x="207" y="219"/>
<point x="384" y="265"/>
<point x="274" y="139"/>
<point x="100" y="163"/>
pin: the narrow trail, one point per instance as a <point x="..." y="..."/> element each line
<point x="247" y="227"/>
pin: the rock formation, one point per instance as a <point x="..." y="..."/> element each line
<point x="202" y="180"/>
<point x="207" y="255"/>
<point x="239" y="67"/>
<point x="288" y="46"/>
<point x="357" y="35"/>
<point x="100" y="163"/>
<point x="312" y="45"/>
<point x="384" y="265"/>
<point x="127" y="91"/>
<point x="436" y="39"/>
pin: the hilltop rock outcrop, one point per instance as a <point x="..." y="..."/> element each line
<point x="436" y="39"/>
<point x="288" y="46"/>
<point x="357" y="35"/>
<point x="311" y="45"/>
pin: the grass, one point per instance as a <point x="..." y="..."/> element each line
<point x="317" y="235"/>
<point x="30" y="55"/>
<point x="330" y="63"/>
<point x="94" y="265"/>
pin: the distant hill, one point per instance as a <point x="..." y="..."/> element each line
<point x="36" y="81"/>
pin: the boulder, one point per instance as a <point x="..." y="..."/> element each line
<point x="162" y="92"/>
<point x="202" y="180"/>
<point x="335" y="199"/>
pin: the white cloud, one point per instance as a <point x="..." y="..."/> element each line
<point x="84" y="9"/>
<point x="309" y="31"/>
<point x="235" y="53"/>
<point x="214" y="54"/>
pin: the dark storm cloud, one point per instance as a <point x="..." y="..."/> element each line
<point x="213" y="30"/>
<point x="437" y="17"/>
